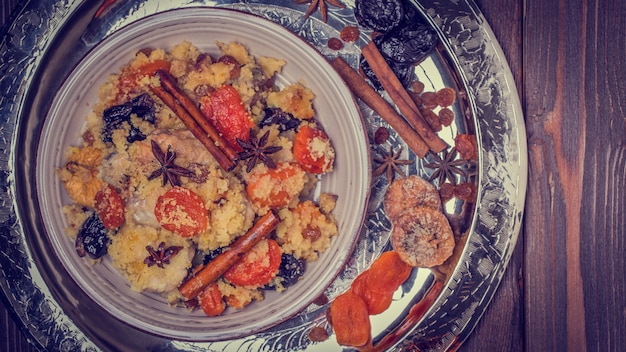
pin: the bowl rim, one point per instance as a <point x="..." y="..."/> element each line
<point x="188" y="15"/>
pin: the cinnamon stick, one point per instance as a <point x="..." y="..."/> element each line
<point x="401" y="97"/>
<point x="169" y="84"/>
<point x="225" y="162"/>
<point x="369" y="96"/>
<point x="218" y="266"/>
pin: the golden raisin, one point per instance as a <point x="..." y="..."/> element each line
<point x="349" y="34"/>
<point x="417" y="86"/>
<point x="465" y="191"/>
<point x="318" y="334"/>
<point x="235" y="71"/>
<point x="446" y="191"/>
<point x="446" y="116"/>
<point x="429" y="100"/>
<point x="445" y="96"/>
<point x="466" y="146"/>
<point x="311" y="233"/>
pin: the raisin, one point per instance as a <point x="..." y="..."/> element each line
<point x="229" y="60"/>
<point x="349" y="34"/>
<point x="92" y="238"/>
<point x="429" y="100"/>
<point x="446" y="191"/>
<point x="212" y="255"/>
<point x="318" y="334"/>
<point x="445" y="96"/>
<point x="379" y="15"/>
<point x="381" y="135"/>
<point x="465" y="191"/>
<point x="466" y="145"/>
<point x="417" y="87"/>
<point x="446" y="116"/>
<point x="335" y="43"/>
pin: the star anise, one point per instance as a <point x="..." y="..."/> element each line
<point x="323" y="7"/>
<point x="256" y="150"/>
<point x="446" y="166"/>
<point x="389" y="164"/>
<point x="161" y="255"/>
<point x="171" y="172"/>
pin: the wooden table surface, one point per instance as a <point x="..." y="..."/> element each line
<point x="565" y="287"/>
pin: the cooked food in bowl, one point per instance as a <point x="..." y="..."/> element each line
<point x="147" y="192"/>
<point x="288" y="168"/>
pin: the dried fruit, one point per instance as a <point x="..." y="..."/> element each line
<point x="381" y="135"/>
<point x="379" y="15"/>
<point x="115" y="116"/>
<point x="93" y="238"/>
<point x="335" y="43"/>
<point x="408" y="44"/>
<point x="445" y="96"/>
<point x="349" y="34"/>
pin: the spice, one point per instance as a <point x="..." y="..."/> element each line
<point x="390" y="164"/>
<point x="365" y="92"/>
<point x="171" y="172"/>
<point x="322" y="7"/>
<point x="446" y="167"/>
<point x="256" y="150"/>
<point x="161" y="255"/>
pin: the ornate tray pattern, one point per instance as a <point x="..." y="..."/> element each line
<point x="45" y="38"/>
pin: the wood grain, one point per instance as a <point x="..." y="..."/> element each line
<point x="575" y="100"/>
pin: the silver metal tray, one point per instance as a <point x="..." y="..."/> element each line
<point x="45" y="39"/>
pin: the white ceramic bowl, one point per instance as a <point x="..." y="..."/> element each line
<point x="336" y="111"/>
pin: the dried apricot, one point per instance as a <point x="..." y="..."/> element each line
<point x="350" y="320"/>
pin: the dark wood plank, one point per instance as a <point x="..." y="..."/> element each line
<point x="575" y="101"/>
<point x="502" y="326"/>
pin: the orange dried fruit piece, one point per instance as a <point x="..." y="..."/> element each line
<point x="350" y="320"/>
<point x="182" y="211"/>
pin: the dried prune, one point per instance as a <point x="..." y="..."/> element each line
<point x="405" y="73"/>
<point x="92" y="238"/>
<point x="115" y="116"/>
<point x="379" y="15"/>
<point x="276" y="116"/>
<point x="408" y="44"/>
<point x="212" y="255"/>
<point x="290" y="271"/>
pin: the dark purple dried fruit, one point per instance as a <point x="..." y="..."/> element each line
<point x="290" y="271"/>
<point x="379" y="15"/>
<point x="115" y="116"/>
<point x="408" y="44"/>
<point x="405" y="73"/>
<point x="276" y="116"/>
<point x="92" y="238"/>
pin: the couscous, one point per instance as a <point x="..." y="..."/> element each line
<point x="149" y="194"/>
